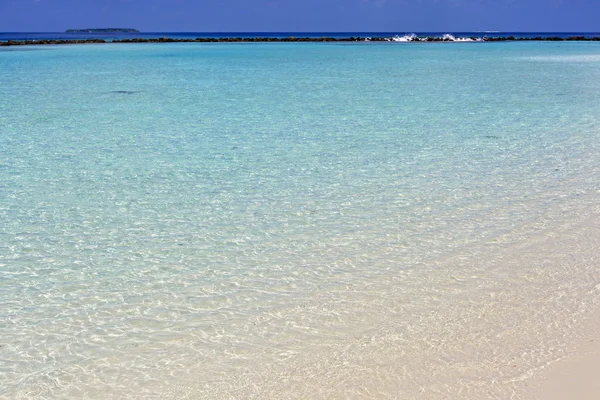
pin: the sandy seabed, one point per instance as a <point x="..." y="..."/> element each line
<point x="512" y="318"/>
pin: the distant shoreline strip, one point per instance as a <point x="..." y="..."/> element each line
<point x="407" y="38"/>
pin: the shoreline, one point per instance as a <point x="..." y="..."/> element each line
<point x="575" y="375"/>
<point x="441" y="342"/>
<point x="293" y="39"/>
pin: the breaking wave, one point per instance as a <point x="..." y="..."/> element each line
<point x="406" y="38"/>
<point x="447" y="37"/>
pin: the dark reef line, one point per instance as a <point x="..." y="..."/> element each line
<point x="295" y="39"/>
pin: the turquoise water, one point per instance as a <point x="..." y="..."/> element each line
<point x="155" y="199"/>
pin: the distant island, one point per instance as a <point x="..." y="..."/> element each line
<point x="103" y="30"/>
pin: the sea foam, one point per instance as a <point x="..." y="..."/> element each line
<point x="447" y="37"/>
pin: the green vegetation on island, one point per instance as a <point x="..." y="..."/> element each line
<point x="103" y="30"/>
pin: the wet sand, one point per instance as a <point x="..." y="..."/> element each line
<point x="577" y="375"/>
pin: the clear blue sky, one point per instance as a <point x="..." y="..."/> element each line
<point x="301" y="15"/>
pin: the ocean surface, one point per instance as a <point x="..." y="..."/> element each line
<point x="239" y="220"/>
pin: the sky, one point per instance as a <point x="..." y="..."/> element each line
<point x="302" y="15"/>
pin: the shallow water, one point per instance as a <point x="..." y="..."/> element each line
<point x="223" y="214"/>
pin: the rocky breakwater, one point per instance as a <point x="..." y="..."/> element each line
<point x="543" y="39"/>
<point x="40" y="42"/>
<point x="245" y="39"/>
<point x="408" y="38"/>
